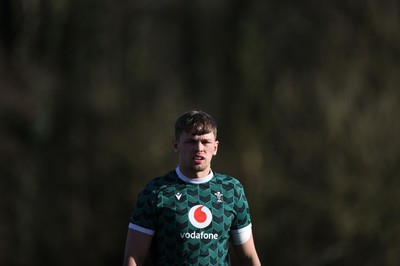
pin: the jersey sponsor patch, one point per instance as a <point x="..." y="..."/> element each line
<point x="200" y="216"/>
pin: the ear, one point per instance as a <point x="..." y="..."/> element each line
<point x="175" y="145"/>
<point x="216" y="147"/>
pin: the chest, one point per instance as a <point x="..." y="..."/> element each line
<point x="190" y="206"/>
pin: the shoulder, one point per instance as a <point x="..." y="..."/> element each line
<point x="150" y="191"/>
<point x="224" y="178"/>
<point x="162" y="181"/>
<point x="227" y="181"/>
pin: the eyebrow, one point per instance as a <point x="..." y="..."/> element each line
<point x="199" y="139"/>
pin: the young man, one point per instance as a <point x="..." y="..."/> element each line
<point x="191" y="215"/>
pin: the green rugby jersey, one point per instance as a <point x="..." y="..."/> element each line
<point x="191" y="223"/>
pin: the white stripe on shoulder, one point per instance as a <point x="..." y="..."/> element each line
<point x="141" y="229"/>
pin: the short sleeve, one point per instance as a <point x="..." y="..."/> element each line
<point x="143" y="217"/>
<point x="242" y="211"/>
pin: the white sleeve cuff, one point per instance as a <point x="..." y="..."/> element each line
<point x="240" y="236"/>
<point x="141" y="229"/>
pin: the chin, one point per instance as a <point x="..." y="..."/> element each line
<point x="199" y="169"/>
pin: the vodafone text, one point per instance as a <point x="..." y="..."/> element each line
<point x="201" y="235"/>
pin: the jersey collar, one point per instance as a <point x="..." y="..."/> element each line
<point x="194" y="180"/>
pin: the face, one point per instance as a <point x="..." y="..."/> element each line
<point x="195" y="153"/>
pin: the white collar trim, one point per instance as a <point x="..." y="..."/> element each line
<point x="193" y="180"/>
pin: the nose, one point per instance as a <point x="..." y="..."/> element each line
<point x="199" y="146"/>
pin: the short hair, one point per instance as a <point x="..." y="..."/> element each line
<point x="195" y="122"/>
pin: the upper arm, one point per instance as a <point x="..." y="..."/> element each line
<point x="242" y="239"/>
<point x="247" y="253"/>
<point x="136" y="248"/>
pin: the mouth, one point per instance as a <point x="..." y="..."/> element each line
<point x="198" y="159"/>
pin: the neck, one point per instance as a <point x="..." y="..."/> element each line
<point x="195" y="174"/>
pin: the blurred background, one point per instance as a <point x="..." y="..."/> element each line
<point x="305" y="94"/>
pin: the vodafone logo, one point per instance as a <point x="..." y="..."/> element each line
<point x="200" y="216"/>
